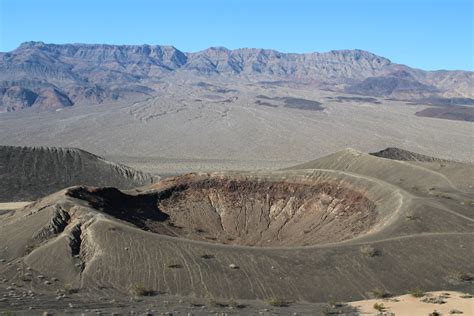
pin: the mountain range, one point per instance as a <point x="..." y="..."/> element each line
<point x="51" y="76"/>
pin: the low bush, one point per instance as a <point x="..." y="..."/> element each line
<point x="369" y="251"/>
<point x="460" y="276"/>
<point x="175" y="266"/>
<point x="379" y="307"/>
<point x="278" y="302"/>
<point x="213" y="303"/>
<point x="68" y="289"/>
<point x="380" y="293"/>
<point x="141" y="290"/>
<point x="204" y="255"/>
<point x="416" y="292"/>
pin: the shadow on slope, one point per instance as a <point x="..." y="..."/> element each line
<point x="140" y="210"/>
<point x="28" y="173"/>
<point x="404" y="155"/>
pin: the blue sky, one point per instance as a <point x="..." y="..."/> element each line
<point x="427" y="34"/>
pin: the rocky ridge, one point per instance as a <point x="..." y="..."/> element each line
<point x="51" y="76"/>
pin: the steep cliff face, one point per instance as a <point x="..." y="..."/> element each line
<point x="334" y="66"/>
<point x="80" y="63"/>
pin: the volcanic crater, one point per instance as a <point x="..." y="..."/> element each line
<point x="242" y="211"/>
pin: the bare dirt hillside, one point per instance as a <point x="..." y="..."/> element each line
<point x="341" y="228"/>
<point x="404" y="155"/>
<point x="27" y="173"/>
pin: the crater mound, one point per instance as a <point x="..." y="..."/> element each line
<point x="243" y="211"/>
<point x="29" y="173"/>
<point x="404" y="155"/>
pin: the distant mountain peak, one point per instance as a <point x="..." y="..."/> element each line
<point x="218" y="48"/>
<point x="401" y="74"/>
<point x="90" y="73"/>
<point x="31" y="44"/>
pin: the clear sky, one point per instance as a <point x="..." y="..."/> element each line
<point x="427" y="34"/>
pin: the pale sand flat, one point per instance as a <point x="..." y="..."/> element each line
<point x="13" y="205"/>
<point x="412" y="306"/>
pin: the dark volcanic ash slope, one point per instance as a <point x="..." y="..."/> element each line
<point x="459" y="113"/>
<point x="336" y="228"/>
<point x="27" y="173"/>
<point x="397" y="84"/>
<point x="403" y="155"/>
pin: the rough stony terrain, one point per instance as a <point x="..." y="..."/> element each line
<point x="28" y="173"/>
<point x="200" y="239"/>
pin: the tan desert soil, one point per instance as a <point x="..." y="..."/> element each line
<point x="407" y="305"/>
<point x="13" y="205"/>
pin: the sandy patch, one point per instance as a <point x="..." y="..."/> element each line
<point x="409" y="305"/>
<point x="13" y="205"/>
